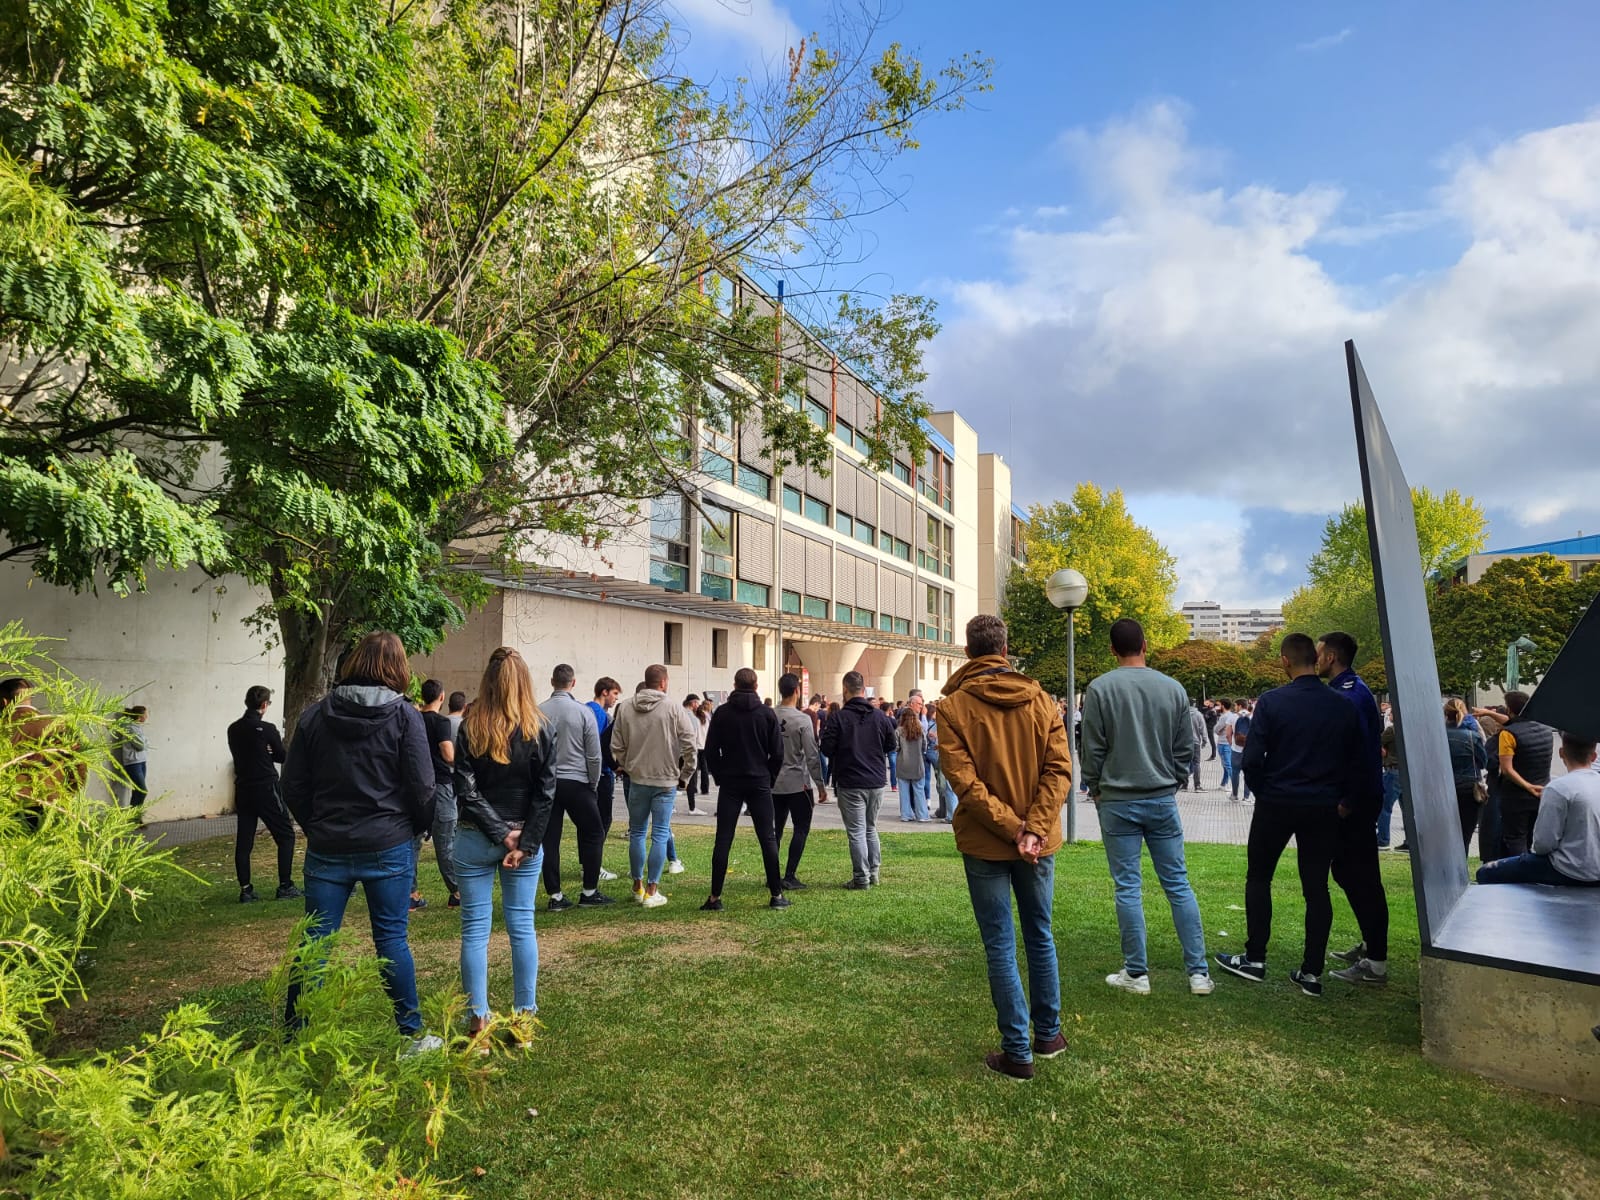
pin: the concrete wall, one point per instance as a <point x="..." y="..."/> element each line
<point x="1521" y="1029"/>
<point x="180" y="649"/>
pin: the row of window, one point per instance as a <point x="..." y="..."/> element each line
<point x="808" y="506"/>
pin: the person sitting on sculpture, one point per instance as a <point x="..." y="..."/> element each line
<point x="1566" y="837"/>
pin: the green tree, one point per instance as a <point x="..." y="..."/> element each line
<point x="1341" y="593"/>
<point x="1473" y="623"/>
<point x="1130" y="574"/>
<point x="1218" y="669"/>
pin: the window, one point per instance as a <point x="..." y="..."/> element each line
<point x="791" y="499"/>
<point x="719" y="648"/>
<point x="816" y="510"/>
<point x="758" y="594"/>
<point x="844" y="433"/>
<point x="757" y="483"/>
<point x="758" y="649"/>
<point x="902" y="472"/>
<point x="949" y="552"/>
<point x="716" y="552"/>
<point x="902" y="549"/>
<point x="940" y="615"/>
<point x="669" y="543"/>
<point x="818" y="412"/>
<point x="791" y="602"/>
<point x="885" y="623"/>
<point x="886" y="542"/>
<point x="843" y="523"/>
<point x="864" y="618"/>
<point x="865" y="534"/>
<point x="844" y="614"/>
<point x="672" y="643"/>
<point x="902" y="625"/>
<point x="813" y="606"/>
<point x="715" y="466"/>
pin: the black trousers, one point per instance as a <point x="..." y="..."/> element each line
<point x="1518" y="811"/>
<point x="1468" y="808"/>
<point x="1356" y="871"/>
<point x="1211" y="738"/>
<point x="1315" y="829"/>
<point x="260" y="802"/>
<point x="606" y="796"/>
<point x="730" y="799"/>
<point x="799" y="805"/>
<point x="574" y="798"/>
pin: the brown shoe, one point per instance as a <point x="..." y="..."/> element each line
<point x="1044" y="1049"/>
<point x="1003" y="1064"/>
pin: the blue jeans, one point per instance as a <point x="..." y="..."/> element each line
<point x="990" y="885"/>
<point x="894" y="767"/>
<point x="1528" y="868"/>
<point x="1125" y="826"/>
<point x="385" y="877"/>
<point x="477" y="862"/>
<point x="1225" y="753"/>
<point x="1391" y="796"/>
<point x="914" y="799"/>
<point x="1238" y="774"/>
<point x="650" y="806"/>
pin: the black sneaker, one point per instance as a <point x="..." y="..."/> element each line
<point x="247" y="895"/>
<point x="1256" y="972"/>
<point x="1353" y="955"/>
<point x="1309" y="984"/>
<point x="595" y="900"/>
<point x="791" y="884"/>
<point x="712" y="905"/>
<point x="857" y="885"/>
<point x="288" y="891"/>
<point x="558" y="904"/>
<point x="779" y="901"/>
<point x="418" y="902"/>
<point x="454" y="901"/>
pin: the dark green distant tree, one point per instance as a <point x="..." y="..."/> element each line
<point x="1218" y="669"/>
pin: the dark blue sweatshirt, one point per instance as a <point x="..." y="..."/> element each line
<point x="1354" y="689"/>
<point x="1305" y="747"/>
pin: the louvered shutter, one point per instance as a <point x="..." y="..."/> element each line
<point x="867" y="496"/>
<point x="755" y="549"/>
<point x="819" y="569"/>
<point x="844" y="580"/>
<point x="794" y="562"/>
<point x="866" y="584"/>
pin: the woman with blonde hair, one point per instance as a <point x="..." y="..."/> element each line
<point x="505" y="789"/>
<point x="1468" y="757"/>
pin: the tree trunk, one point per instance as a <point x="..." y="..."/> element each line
<point x="310" y="660"/>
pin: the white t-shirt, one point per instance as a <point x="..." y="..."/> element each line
<point x="1225" y="728"/>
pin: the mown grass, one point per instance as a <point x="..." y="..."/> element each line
<point x="835" y="1049"/>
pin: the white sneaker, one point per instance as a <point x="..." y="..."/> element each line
<point x="1139" y="985"/>
<point x="676" y="867"/>
<point x="653" y="900"/>
<point x="607" y="875"/>
<point x="1201" y="985"/>
<point x="426" y="1044"/>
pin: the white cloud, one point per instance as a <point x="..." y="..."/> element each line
<point x="1191" y="341"/>
<point x="763" y="25"/>
<point x="1326" y="42"/>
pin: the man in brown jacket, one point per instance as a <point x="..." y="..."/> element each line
<point x="1008" y="828"/>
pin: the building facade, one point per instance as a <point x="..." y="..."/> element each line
<point x="1580" y="553"/>
<point x="1210" y="622"/>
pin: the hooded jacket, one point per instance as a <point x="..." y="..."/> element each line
<point x="802" y="765"/>
<point x="359" y="777"/>
<point x="1003" y="748"/>
<point x="857" y="741"/>
<point x="652" y="742"/>
<point x="744" y="743"/>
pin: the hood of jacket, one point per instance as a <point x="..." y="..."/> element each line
<point x="645" y="701"/>
<point x="356" y="710"/>
<point x="744" y="701"/>
<point x="991" y="680"/>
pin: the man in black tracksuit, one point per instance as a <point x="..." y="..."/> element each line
<point x="257" y="749"/>
<point x="744" y="750"/>
<point x="1304" y="757"/>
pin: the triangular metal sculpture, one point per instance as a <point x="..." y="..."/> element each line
<point x="1433" y="828"/>
<point x="1568" y="696"/>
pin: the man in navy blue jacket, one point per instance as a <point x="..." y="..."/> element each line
<point x="855" y="741"/>
<point x="1355" y="858"/>
<point x="1303" y="761"/>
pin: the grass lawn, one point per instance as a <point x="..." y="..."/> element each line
<point x="835" y="1049"/>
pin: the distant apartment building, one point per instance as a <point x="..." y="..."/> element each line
<point x="1210" y="622"/>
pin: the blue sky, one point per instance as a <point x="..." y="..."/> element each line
<point x="1149" y="241"/>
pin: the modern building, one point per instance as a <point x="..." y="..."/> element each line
<point x="1001" y="523"/>
<point x="1210" y="622"/>
<point x="1580" y="553"/>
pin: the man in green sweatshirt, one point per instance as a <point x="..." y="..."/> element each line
<point x="1136" y="753"/>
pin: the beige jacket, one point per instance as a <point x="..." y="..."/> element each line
<point x="653" y="741"/>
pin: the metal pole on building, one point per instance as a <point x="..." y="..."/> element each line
<point x="1068" y="589"/>
<point x="777" y="486"/>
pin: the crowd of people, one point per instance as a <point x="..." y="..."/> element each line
<point x="372" y="776"/>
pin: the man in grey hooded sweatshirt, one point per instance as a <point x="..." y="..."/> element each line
<point x="654" y="746"/>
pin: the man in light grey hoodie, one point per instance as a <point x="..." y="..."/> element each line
<point x="1137" y="747"/>
<point x="802" y="767"/>
<point x="576" y="736"/>
<point x="654" y="745"/>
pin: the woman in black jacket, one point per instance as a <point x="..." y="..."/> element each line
<point x="505" y="788"/>
<point x="1468" y="757"/>
<point x="359" y="780"/>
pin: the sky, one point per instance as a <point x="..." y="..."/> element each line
<point x="1149" y="242"/>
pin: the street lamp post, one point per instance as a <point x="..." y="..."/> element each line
<point x="1068" y="589"/>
